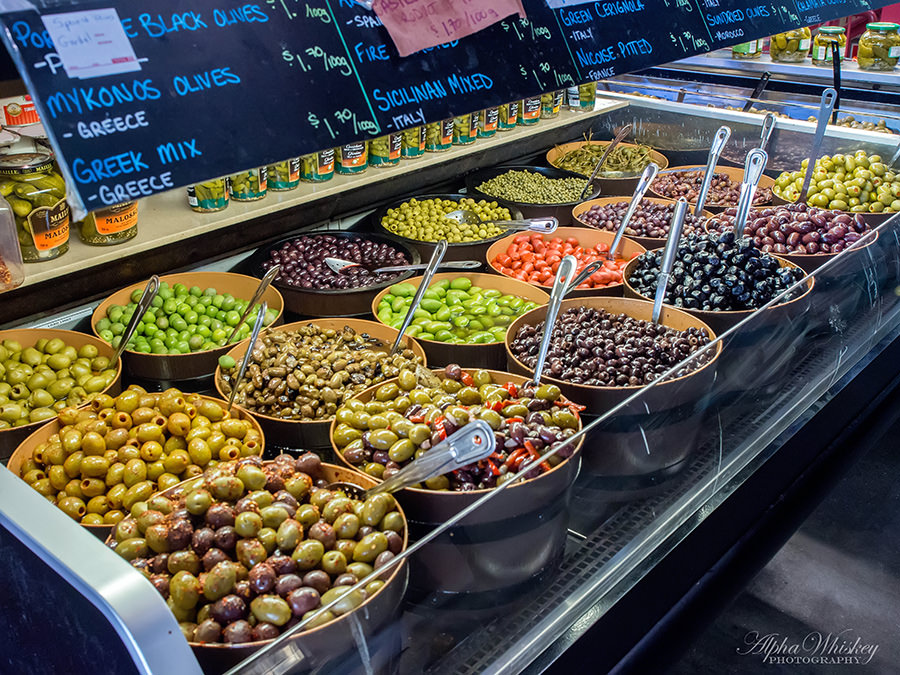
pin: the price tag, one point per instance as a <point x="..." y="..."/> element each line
<point x="91" y="43"/>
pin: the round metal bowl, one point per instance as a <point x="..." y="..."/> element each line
<point x="28" y="337"/>
<point x="470" y="250"/>
<point x="736" y="174"/>
<point x="561" y="211"/>
<point x="649" y="243"/>
<point x="588" y="238"/>
<point x="331" y="302"/>
<point x="489" y="355"/>
<point x="175" y="367"/>
<point x="312" y="435"/>
<point x="722" y="321"/>
<point x="608" y="186"/>
<point x="26" y="450"/>
<point x="323" y="643"/>
<point x="510" y="540"/>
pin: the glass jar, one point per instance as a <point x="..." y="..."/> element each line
<point x="790" y="47"/>
<point x="36" y="192"/>
<point x="384" y="151"/>
<point x="317" y="167"/>
<point x="352" y="158"/>
<point x="821" y="51"/>
<point x="249" y="186"/>
<point x="209" y="196"/>
<point x="747" y="50"/>
<point x="413" y="143"/>
<point x="488" y="121"/>
<point x="509" y="116"/>
<point x="586" y="97"/>
<point x="439" y="135"/>
<point x="285" y="175"/>
<point x="530" y="111"/>
<point x="879" y="47"/>
<point x="551" y="103"/>
<point x="112" y="225"/>
<point x="465" y="129"/>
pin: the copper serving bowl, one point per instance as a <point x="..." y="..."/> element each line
<point x="175" y="367"/>
<point x="873" y="220"/>
<point x="42" y="435"/>
<point x="649" y="243"/>
<point x="587" y="238"/>
<point x="722" y="321"/>
<point x="311" y="435"/>
<point x="28" y="337"/>
<point x="608" y="186"/>
<point x="736" y="174"/>
<point x="488" y="355"/>
<point x="322" y="643"/>
<point x="514" y="537"/>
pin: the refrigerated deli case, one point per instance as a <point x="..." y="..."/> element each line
<point x="520" y="578"/>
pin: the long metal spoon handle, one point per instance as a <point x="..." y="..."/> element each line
<point x="564" y="273"/>
<point x="439" y="252"/>
<point x="758" y="90"/>
<point x="825" y="107"/>
<point x="647" y="177"/>
<point x="583" y="275"/>
<point x="768" y="126"/>
<point x="260" y="314"/>
<point x="150" y="291"/>
<point x="668" y="259"/>
<point x="449" y="265"/>
<point x="544" y="224"/>
<point x="715" y="151"/>
<point x="754" y="166"/>
<point x="623" y="132"/>
<point x="263" y="285"/>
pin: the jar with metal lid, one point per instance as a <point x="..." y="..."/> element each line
<point x="352" y="158"/>
<point x="209" y="196"/>
<point x="509" y="116"/>
<point x="551" y="103"/>
<point x="317" y="167"/>
<point x="879" y="47"/>
<point x="488" y="122"/>
<point x="285" y="175"/>
<point x="465" y="129"/>
<point x="112" y="225"/>
<point x="250" y="185"/>
<point x="36" y="192"/>
<point x="439" y="135"/>
<point x="413" y="143"/>
<point x="747" y="50"/>
<point x="791" y="46"/>
<point x="827" y="35"/>
<point x="582" y="97"/>
<point x="530" y="111"/>
<point x="384" y="151"/>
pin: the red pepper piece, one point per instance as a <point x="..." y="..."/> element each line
<point x="466" y="379"/>
<point x="511" y="388"/>
<point x="515" y="455"/>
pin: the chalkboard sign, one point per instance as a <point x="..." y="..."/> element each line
<point x="178" y="96"/>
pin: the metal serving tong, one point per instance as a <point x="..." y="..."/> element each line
<point x="471" y="443"/>
<point x="715" y="151"/>
<point x="439" y="252"/>
<point x="263" y="285"/>
<point x="829" y="96"/>
<point x="339" y="265"/>
<point x="150" y="291"/>
<point x="768" y="126"/>
<point x="640" y="189"/>
<point x="665" y="270"/>
<point x="546" y="225"/>
<point x="260" y="314"/>
<point x="754" y="166"/>
<point x="623" y="132"/>
<point x="561" y="286"/>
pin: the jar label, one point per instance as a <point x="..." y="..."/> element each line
<point x="512" y="113"/>
<point x="804" y="44"/>
<point x="395" y="145"/>
<point x="447" y="131"/>
<point x="557" y="100"/>
<point x="117" y="218"/>
<point x="894" y="52"/>
<point x="531" y="110"/>
<point x="50" y="225"/>
<point x="746" y="48"/>
<point x="325" y="159"/>
<point x="353" y="155"/>
<point x="491" y="118"/>
<point x="473" y="124"/>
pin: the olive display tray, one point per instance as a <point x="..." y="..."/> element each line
<point x="622" y="449"/>
<point x="510" y="539"/>
<point x="810" y="262"/>
<point x="470" y="250"/>
<point x="43" y="434"/>
<point x="722" y="321"/>
<point x="649" y="243"/>
<point x="587" y="238"/>
<point x="175" y="367"/>
<point x="489" y="355"/>
<point x="328" y="302"/>
<point x="320" y="644"/>
<point x="736" y="174"/>
<point x="872" y="219"/>
<point x="313" y="435"/>
<point x="28" y="337"/>
<point x="561" y="211"/>
<point x="608" y="186"/>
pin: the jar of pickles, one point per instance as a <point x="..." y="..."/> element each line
<point x="209" y="196"/>
<point x="37" y="194"/>
<point x="508" y="116"/>
<point x="551" y="103"/>
<point x="488" y="120"/>
<point x="413" y="143"/>
<point x="828" y="35"/>
<point x="285" y="175"/>
<point x="439" y="135"/>
<point x="317" y="167"/>
<point x="790" y="47"/>
<point x="112" y="225"/>
<point x="879" y="47"/>
<point x="747" y="50"/>
<point x="250" y="185"/>
<point x="384" y="151"/>
<point x="465" y="129"/>
<point x="352" y="158"/>
<point x="530" y="111"/>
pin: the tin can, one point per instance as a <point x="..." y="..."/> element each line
<point x="488" y="122"/>
<point x="249" y="186"/>
<point x="209" y="196"/>
<point x="384" y="151"/>
<point x="285" y="175"/>
<point x="352" y="158"/>
<point x="111" y="225"/>
<point x="439" y="135"/>
<point x="413" y="142"/>
<point x="317" y="167"/>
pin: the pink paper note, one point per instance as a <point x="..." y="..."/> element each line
<point x="419" y="24"/>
